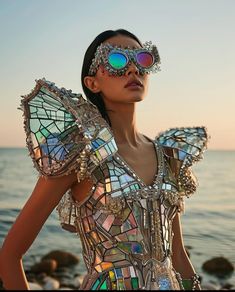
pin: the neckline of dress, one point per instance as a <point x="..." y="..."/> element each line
<point x="159" y="169"/>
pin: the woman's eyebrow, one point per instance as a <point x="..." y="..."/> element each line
<point x="133" y="47"/>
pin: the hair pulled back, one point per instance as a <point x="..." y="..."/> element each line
<point x="96" y="98"/>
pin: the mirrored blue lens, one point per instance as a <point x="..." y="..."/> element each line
<point x="117" y="60"/>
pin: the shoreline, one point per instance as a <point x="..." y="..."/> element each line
<point x="59" y="269"/>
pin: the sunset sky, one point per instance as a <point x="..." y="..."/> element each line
<point x="195" y="39"/>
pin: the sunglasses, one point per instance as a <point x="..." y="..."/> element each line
<point x="117" y="60"/>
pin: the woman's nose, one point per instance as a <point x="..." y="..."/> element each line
<point x="132" y="68"/>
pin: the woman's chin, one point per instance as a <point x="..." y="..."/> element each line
<point x="137" y="98"/>
<point x="130" y="98"/>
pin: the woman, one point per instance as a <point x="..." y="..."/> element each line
<point x="121" y="191"/>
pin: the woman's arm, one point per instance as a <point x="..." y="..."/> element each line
<point x="181" y="261"/>
<point x="44" y="198"/>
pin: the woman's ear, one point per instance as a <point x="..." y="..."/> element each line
<point x="92" y="84"/>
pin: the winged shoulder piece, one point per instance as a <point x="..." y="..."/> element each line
<point x="185" y="146"/>
<point x="64" y="131"/>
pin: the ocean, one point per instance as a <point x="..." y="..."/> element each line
<point x="208" y="222"/>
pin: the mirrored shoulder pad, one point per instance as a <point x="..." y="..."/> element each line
<point x="185" y="145"/>
<point x="64" y="131"/>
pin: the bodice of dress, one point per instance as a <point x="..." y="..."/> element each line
<point x="124" y="225"/>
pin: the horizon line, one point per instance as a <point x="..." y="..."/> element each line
<point x="208" y="149"/>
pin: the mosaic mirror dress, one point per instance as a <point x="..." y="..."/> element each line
<point x="125" y="226"/>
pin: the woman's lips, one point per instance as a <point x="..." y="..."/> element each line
<point x="134" y="85"/>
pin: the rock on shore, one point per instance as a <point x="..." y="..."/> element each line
<point x="63" y="258"/>
<point x="45" y="266"/>
<point x="218" y="266"/>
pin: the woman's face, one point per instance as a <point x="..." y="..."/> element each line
<point x="113" y="88"/>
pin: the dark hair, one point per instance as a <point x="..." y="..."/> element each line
<point x="96" y="98"/>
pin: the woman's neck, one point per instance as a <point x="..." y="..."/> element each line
<point x="123" y="120"/>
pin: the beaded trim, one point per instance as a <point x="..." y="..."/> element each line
<point x="158" y="174"/>
<point x="196" y="281"/>
<point x="103" y="50"/>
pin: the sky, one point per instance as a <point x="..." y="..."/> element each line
<point x="196" y="43"/>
